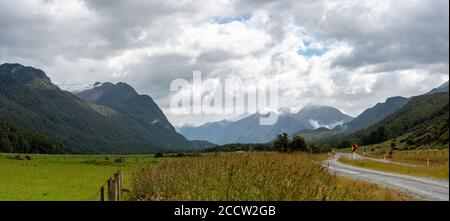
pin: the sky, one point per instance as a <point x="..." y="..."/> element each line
<point x="346" y="54"/>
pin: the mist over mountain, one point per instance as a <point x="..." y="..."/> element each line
<point x="373" y="115"/>
<point x="323" y="116"/>
<point x="248" y="129"/>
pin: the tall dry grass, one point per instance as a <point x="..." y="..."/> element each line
<point x="250" y="176"/>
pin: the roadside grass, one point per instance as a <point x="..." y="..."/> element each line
<point x="251" y="176"/>
<point x="63" y="177"/>
<point x="438" y="155"/>
<point x="439" y="171"/>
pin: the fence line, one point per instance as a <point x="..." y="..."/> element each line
<point x="112" y="188"/>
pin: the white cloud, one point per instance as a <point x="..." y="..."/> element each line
<point x="347" y="54"/>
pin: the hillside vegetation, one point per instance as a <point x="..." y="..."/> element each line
<point x="30" y="100"/>
<point x="14" y="138"/>
<point x="316" y="135"/>
<point x="424" y="118"/>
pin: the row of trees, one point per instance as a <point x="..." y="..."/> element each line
<point x="283" y="144"/>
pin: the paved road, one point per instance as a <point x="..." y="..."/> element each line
<point x="427" y="189"/>
<point x="357" y="156"/>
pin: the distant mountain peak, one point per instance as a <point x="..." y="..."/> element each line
<point x="313" y="111"/>
<point x="311" y="106"/>
<point x="442" y="88"/>
<point x="24" y="72"/>
<point x="106" y="92"/>
<point x="373" y="114"/>
<point x="395" y="99"/>
<point x="126" y="88"/>
<point x="29" y="76"/>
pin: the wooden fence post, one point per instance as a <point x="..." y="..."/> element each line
<point x="116" y="187"/>
<point x="110" y="190"/>
<point x="102" y="193"/>
<point x="120" y="184"/>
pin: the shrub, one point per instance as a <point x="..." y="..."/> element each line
<point x="281" y="144"/>
<point x="298" y="144"/>
<point x="28" y="157"/>
<point x="159" y="154"/>
<point x="119" y="160"/>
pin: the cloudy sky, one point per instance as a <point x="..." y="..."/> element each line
<point x="346" y="54"/>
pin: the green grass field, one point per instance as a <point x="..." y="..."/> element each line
<point x="63" y="177"/>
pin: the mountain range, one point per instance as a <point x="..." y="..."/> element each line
<point x="422" y="121"/>
<point x="371" y="116"/>
<point x="36" y="116"/>
<point x="248" y="129"/>
<point x="313" y="122"/>
<point x="109" y="118"/>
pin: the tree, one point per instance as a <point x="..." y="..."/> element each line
<point x="345" y="144"/>
<point x="298" y="143"/>
<point x="393" y="145"/>
<point x="281" y="144"/>
<point x="377" y="136"/>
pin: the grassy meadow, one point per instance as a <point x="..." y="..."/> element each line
<point x="217" y="176"/>
<point x="63" y="177"/>
<point x="419" y="157"/>
<point x="439" y="171"/>
<point x="251" y="176"/>
<point x="438" y="154"/>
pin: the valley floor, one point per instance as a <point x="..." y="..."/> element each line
<point x="63" y="177"/>
<point x="222" y="176"/>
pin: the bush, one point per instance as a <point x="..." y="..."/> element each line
<point x="119" y="160"/>
<point x="282" y="143"/>
<point x="298" y="144"/>
<point x="159" y="154"/>
<point x="28" y="157"/>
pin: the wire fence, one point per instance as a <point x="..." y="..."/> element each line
<point x="111" y="190"/>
